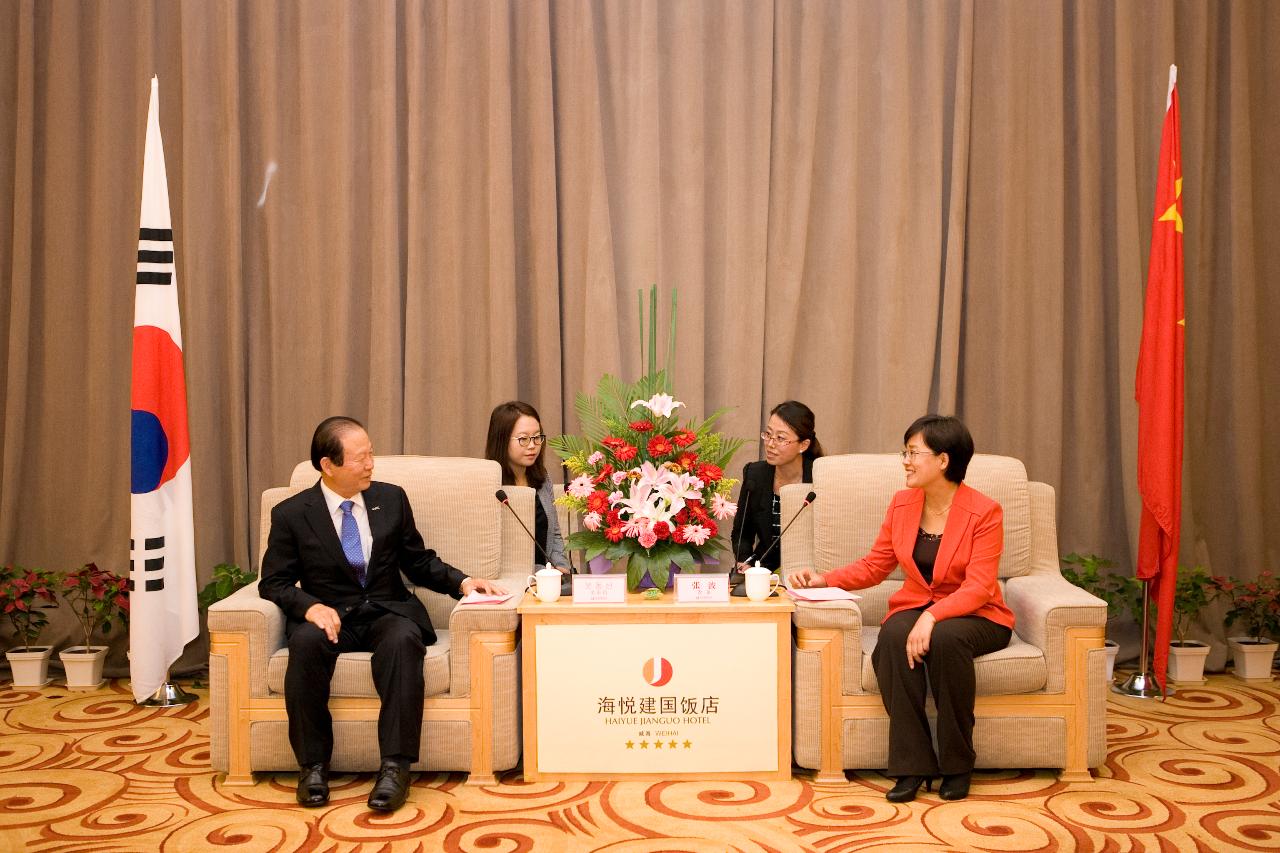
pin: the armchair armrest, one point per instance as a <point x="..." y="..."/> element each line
<point x="476" y="618"/>
<point x="1044" y="607"/>
<point x="817" y="618"/>
<point x="244" y="611"/>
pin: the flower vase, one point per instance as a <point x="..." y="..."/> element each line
<point x="602" y="565"/>
<point x="29" y="665"/>
<point x="83" y="666"/>
<point x="1252" y="657"/>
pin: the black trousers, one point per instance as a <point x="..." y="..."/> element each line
<point x="398" y="650"/>
<point x="948" y="672"/>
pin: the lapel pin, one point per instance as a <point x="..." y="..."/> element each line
<point x="375" y="509"/>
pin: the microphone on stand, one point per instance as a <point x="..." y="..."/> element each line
<point x="565" y="582"/>
<point x="741" y="589"/>
<point x="744" y="505"/>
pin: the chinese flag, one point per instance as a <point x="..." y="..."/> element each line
<point x="1159" y="389"/>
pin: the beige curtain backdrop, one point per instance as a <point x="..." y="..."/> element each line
<point x="411" y="211"/>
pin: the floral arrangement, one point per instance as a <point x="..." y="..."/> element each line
<point x="96" y="597"/>
<point x="1255" y="603"/>
<point x="21" y="593"/>
<point x="648" y="488"/>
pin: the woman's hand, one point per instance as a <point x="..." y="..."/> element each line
<point x="806" y="579"/>
<point x="918" y="639"/>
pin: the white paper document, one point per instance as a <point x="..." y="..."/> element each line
<point x="822" y="593"/>
<point x="484" y="598"/>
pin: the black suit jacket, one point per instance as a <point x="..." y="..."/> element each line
<point x="304" y="563"/>
<point x="753" y="525"/>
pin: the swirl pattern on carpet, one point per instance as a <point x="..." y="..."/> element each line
<point x="95" y="772"/>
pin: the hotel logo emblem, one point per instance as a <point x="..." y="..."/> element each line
<point x="657" y="671"/>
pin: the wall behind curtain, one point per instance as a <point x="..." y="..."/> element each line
<point x="879" y="208"/>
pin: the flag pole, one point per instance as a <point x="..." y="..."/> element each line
<point x="1141" y="684"/>
<point x="168" y="695"/>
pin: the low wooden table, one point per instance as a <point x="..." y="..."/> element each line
<point x="656" y="689"/>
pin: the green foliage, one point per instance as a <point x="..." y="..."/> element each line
<point x="1120" y="592"/>
<point x="22" y="592"/>
<point x="1192" y="594"/>
<point x="97" y="598"/>
<point x="1255" y="603"/>
<point x="227" y="578"/>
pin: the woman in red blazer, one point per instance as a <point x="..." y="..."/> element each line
<point x="947" y="538"/>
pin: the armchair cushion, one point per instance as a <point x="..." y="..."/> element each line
<point x="1017" y="668"/>
<point x="353" y="675"/>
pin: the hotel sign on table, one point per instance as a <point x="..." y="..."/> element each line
<point x="657" y="698"/>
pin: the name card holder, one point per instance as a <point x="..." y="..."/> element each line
<point x="600" y="589"/>
<point x="698" y="589"/>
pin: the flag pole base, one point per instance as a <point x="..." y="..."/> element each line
<point x="1140" y="685"/>
<point x="169" y="695"/>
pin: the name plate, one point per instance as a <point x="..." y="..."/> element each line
<point x="693" y="589"/>
<point x="600" y="589"/>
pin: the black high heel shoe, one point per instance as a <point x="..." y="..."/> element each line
<point x="905" y="790"/>
<point x="955" y="787"/>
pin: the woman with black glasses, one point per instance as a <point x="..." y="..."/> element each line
<point x="947" y="537"/>
<point x="790" y="446"/>
<point x="516" y="442"/>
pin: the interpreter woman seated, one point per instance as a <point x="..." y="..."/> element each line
<point x="516" y="442"/>
<point x="948" y="538"/>
<point x="790" y="446"/>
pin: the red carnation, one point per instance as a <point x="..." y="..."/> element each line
<point x="598" y="501"/>
<point x="677" y="534"/>
<point x="711" y="525"/>
<point x="641" y="426"/>
<point x="625" y="453"/>
<point x="660" y="445"/>
<point x="684" y="437"/>
<point x="613" y="533"/>
<point x="709" y="473"/>
<point x="661" y="529"/>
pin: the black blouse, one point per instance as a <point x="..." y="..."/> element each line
<point x="925" y="553"/>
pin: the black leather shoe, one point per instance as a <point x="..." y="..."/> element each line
<point x="955" y="787"/>
<point x="391" y="788"/>
<point x="313" y="785"/>
<point x="905" y="790"/>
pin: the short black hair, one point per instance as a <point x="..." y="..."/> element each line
<point x="326" y="441"/>
<point x="945" y="434"/>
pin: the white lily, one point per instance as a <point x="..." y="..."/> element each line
<point x="661" y="405"/>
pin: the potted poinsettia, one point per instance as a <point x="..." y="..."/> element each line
<point x="24" y="596"/>
<point x="1256" y="605"/>
<point x="650" y="489"/>
<point x="98" y="598"/>
<point x="1192" y="594"/>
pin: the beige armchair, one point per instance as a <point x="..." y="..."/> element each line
<point x="471" y="719"/>
<point x="1041" y="700"/>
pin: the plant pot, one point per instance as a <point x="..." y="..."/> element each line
<point x="603" y="565"/>
<point x="1252" y="657"/>
<point x="30" y="665"/>
<point x="83" y="666"/>
<point x="1186" y="662"/>
<point x="1112" y="648"/>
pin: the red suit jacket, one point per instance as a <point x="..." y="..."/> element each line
<point x="964" y="575"/>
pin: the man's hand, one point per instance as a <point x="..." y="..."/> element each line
<point x="918" y="639"/>
<point x="471" y="585"/>
<point x="326" y="619"/>
<point x="806" y="579"/>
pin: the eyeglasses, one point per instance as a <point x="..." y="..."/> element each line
<point x="526" y="440"/>
<point x="910" y="455"/>
<point x="776" y="440"/>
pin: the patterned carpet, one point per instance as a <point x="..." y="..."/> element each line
<point x="94" y="772"/>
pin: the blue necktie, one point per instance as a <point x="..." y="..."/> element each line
<point x="351" y="542"/>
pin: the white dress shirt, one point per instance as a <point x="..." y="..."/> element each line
<point x="358" y="511"/>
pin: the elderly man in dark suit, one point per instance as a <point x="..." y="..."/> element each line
<point x="333" y="563"/>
